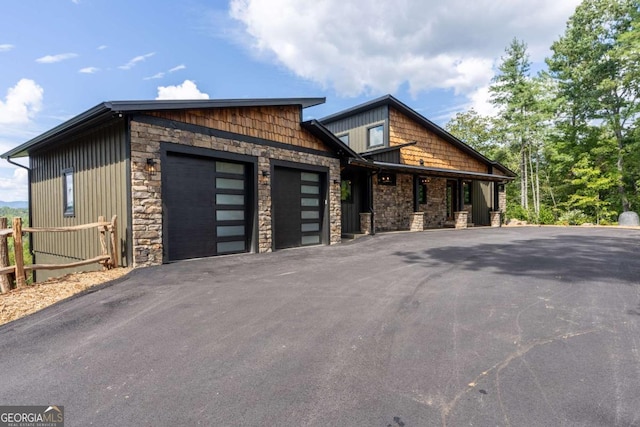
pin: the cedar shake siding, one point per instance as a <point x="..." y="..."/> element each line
<point x="433" y="150"/>
<point x="278" y="124"/>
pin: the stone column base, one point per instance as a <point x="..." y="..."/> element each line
<point x="496" y="219"/>
<point x="461" y="219"/>
<point x="416" y="221"/>
<point x="365" y="223"/>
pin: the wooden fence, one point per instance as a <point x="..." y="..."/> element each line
<point x="108" y="258"/>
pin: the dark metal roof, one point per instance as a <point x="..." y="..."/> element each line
<point x="419" y="118"/>
<point x="387" y="149"/>
<point x="319" y="131"/>
<point x="107" y="110"/>
<point x="453" y="173"/>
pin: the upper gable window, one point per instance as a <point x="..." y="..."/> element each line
<point x="376" y="136"/>
<point x="344" y="138"/>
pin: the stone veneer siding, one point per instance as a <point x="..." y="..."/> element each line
<point x="436" y="207"/>
<point x="393" y="204"/>
<point x="502" y="200"/>
<point x="147" y="190"/>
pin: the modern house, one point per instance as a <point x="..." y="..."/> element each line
<point x="187" y="179"/>
<point x="414" y="175"/>
<point x="201" y="178"/>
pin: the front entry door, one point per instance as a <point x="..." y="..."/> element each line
<point x="452" y="199"/>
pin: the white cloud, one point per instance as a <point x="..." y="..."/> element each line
<point x="187" y="90"/>
<point x="50" y="59"/>
<point x="102" y="47"/>
<point x="6" y="47"/>
<point x="129" y="65"/>
<point x="155" y="76"/>
<point x="177" y="68"/>
<point x="22" y="102"/>
<point x="376" y="47"/>
<point x="89" y="70"/>
<point x="481" y="102"/>
<point x="13" y="186"/>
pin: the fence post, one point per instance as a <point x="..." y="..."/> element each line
<point x="114" y="241"/>
<point x="102" y="231"/>
<point x="5" y="283"/>
<point x="18" y="252"/>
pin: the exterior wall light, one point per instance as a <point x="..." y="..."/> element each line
<point x="150" y="167"/>
<point x="387" y="178"/>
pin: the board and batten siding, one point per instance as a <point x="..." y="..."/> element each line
<point x="99" y="160"/>
<point x="357" y="127"/>
<point x="481" y="198"/>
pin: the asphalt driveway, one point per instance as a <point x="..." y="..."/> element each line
<point x="483" y="327"/>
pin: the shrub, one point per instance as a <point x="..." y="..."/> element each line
<point x="546" y="216"/>
<point x="573" y="217"/>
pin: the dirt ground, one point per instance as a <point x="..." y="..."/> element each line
<point x="31" y="298"/>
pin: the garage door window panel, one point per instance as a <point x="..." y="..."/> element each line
<point x="310" y="191"/>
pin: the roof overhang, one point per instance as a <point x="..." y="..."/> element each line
<point x="387" y="149"/>
<point x="429" y="171"/>
<point x="117" y="109"/>
<point x="393" y="102"/>
<point x="318" y="130"/>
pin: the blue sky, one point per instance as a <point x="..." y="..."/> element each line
<point x="60" y="57"/>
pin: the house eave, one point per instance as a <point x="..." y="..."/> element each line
<point x="428" y="171"/>
<point x="319" y="131"/>
<point x="116" y="109"/>
<point x="393" y="102"/>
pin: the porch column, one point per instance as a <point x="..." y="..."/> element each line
<point x="416" y="221"/>
<point x="461" y="219"/>
<point x="365" y="222"/>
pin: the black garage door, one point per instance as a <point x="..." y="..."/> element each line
<point x="298" y="207"/>
<point x="207" y="207"/>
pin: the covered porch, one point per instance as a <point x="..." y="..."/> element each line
<point x="385" y="196"/>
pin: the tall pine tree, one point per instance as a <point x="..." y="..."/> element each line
<point x="599" y="80"/>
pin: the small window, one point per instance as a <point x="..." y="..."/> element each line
<point x="344" y="138"/>
<point x="422" y="191"/>
<point x="376" y="136"/>
<point x="345" y="191"/>
<point x="67" y="192"/>
<point x="466" y="188"/>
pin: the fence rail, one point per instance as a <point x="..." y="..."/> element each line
<point x="108" y="257"/>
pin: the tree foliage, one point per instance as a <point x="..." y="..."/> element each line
<point x="571" y="131"/>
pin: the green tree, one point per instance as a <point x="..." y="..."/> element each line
<point x="515" y="93"/>
<point x="477" y="131"/>
<point x="598" y="73"/>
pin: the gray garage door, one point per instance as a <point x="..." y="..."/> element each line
<point x="207" y="207"/>
<point x="298" y="207"/>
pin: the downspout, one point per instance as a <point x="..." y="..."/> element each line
<point x="29" y="210"/>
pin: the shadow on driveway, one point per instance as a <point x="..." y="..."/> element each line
<point x="586" y="257"/>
